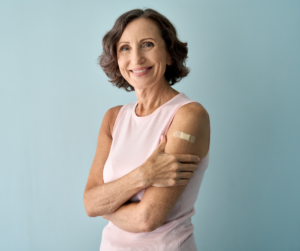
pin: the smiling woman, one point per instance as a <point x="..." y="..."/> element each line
<point x="151" y="154"/>
<point x="154" y="33"/>
<point x="140" y="44"/>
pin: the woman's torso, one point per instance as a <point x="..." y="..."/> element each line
<point x="134" y="140"/>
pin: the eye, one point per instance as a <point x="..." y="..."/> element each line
<point x="148" y="44"/>
<point x="124" y="48"/>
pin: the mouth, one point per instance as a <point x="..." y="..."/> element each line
<point x="141" y="69"/>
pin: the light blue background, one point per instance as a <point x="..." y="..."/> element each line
<point x="245" y="70"/>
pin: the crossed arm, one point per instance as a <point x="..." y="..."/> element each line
<point x="157" y="202"/>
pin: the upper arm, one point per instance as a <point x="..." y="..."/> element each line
<point x="104" y="142"/>
<point x="193" y="119"/>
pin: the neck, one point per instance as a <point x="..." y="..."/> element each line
<point x="150" y="99"/>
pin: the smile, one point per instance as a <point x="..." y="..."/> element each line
<point x="141" y="71"/>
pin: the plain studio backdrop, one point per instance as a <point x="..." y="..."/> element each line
<point x="245" y="70"/>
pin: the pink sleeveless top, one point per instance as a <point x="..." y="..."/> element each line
<point x="134" y="140"/>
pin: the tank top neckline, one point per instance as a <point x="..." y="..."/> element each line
<point x="156" y="111"/>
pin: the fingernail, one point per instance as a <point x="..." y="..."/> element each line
<point x="198" y="158"/>
<point x="161" y="137"/>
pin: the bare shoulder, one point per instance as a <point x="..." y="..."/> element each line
<point x="114" y="110"/>
<point x="193" y="111"/>
<point x="111" y="116"/>
<point x="193" y="119"/>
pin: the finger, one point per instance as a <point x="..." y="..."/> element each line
<point x="162" y="144"/>
<point x="187" y="158"/>
<point x="186" y="175"/>
<point x="185" y="167"/>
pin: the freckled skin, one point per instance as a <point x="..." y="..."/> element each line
<point x="141" y="45"/>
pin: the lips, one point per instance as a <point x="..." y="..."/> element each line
<point x="141" y="69"/>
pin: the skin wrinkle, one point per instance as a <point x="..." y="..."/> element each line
<point x="109" y="199"/>
<point x="110" y="204"/>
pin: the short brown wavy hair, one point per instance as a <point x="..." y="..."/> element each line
<point x="177" y="49"/>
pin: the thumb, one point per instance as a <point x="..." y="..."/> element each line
<point x="162" y="143"/>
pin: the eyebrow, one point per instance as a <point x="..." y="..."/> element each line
<point x="125" y="42"/>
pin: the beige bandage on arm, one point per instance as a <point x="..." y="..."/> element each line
<point x="184" y="136"/>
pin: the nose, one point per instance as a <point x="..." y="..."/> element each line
<point x="137" y="57"/>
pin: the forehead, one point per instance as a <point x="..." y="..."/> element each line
<point x="140" y="28"/>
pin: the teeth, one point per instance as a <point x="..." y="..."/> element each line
<point x="140" y="71"/>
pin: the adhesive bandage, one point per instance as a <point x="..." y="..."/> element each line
<point x="184" y="136"/>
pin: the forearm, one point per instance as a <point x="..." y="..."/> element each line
<point x="108" y="197"/>
<point x="128" y="217"/>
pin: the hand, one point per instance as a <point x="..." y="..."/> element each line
<point x="165" y="170"/>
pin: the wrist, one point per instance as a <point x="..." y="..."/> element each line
<point x="142" y="177"/>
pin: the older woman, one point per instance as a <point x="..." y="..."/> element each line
<point x="146" y="173"/>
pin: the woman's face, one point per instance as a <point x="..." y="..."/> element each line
<point x="142" y="55"/>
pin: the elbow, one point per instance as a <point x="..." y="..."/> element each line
<point x="91" y="210"/>
<point x="145" y="228"/>
<point x="148" y="229"/>
<point x="88" y="208"/>
<point x="150" y="221"/>
<point x="150" y="226"/>
<point x="90" y="213"/>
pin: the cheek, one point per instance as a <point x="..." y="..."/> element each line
<point x="122" y="67"/>
<point x="121" y="64"/>
<point x="160" y="56"/>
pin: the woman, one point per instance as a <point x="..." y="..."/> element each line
<point x="144" y="186"/>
